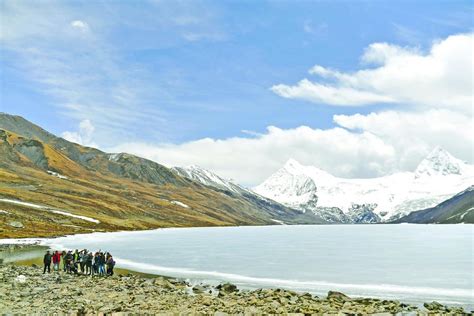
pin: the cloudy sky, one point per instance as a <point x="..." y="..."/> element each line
<point x="358" y="88"/>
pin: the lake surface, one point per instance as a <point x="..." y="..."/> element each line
<point x="412" y="263"/>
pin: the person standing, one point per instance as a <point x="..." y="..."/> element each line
<point x="56" y="260"/>
<point x="47" y="262"/>
<point x="95" y="267"/>
<point x="69" y="259"/>
<point x="89" y="257"/>
<point x="110" y="265"/>
<point x="63" y="255"/>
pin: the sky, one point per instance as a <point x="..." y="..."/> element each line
<point x="357" y="88"/>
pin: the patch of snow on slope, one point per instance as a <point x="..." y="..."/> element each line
<point x="180" y="204"/>
<point x="52" y="210"/>
<point x="60" y="176"/>
<point x="278" y="221"/>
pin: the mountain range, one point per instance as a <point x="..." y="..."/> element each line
<point x="50" y="186"/>
<point x="384" y="199"/>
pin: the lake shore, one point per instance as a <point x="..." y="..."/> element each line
<point x="24" y="289"/>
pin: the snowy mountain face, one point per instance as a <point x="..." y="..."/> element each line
<point x="438" y="177"/>
<point x="281" y="214"/>
<point x="208" y="178"/>
<point x="439" y="162"/>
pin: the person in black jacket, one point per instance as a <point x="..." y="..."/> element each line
<point x="47" y="262"/>
<point x="88" y="261"/>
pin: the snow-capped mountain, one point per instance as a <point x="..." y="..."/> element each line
<point x="438" y="177"/>
<point x="281" y="214"/>
<point x="208" y="178"/>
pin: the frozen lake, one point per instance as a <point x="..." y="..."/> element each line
<point x="412" y="263"/>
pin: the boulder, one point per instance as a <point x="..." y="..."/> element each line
<point x="20" y="279"/>
<point x="433" y="306"/>
<point x="338" y="296"/>
<point x="199" y="289"/>
<point x="16" y="224"/>
<point x="227" y="288"/>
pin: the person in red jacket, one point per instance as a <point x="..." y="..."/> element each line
<point x="56" y="260"/>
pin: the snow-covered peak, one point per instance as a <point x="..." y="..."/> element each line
<point x="207" y="177"/>
<point x="293" y="166"/>
<point x="290" y="185"/>
<point x="438" y="177"/>
<point x="439" y="162"/>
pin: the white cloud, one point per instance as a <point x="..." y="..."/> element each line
<point x="81" y="25"/>
<point x="372" y="145"/>
<point x="440" y="78"/>
<point x="321" y="93"/>
<point x="83" y="136"/>
<point x="319" y="29"/>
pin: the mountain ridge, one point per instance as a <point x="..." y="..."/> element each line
<point x="48" y="185"/>
<point x="438" y="177"/>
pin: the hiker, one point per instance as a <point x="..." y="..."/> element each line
<point x="82" y="262"/>
<point x="63" y="255"/>
<point x="110" y="265"/>
<point x="69" y="261"/>
<point x="95" y="267"/>
<point x="101" y="263"/>
<point x="47" y="262"/>
<point x="88" y="262"/>
<point x="76" y="259"/>
<point x="56" y="260"/>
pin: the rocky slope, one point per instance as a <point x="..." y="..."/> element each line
<point x="281" y="213"/>
<point x="49" y="186"/>
<point x="438" y="177"/>
<point x="25" y="290"/>
<point x="458" y="209"/>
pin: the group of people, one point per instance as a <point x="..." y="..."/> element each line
<point x="84" y="262"/>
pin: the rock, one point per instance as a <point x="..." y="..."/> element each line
<point x="199" y="289"/>
<point x="227" y="288"/>
<point x="16" y="224"/>
<point x="21" y="278"/>
<point x="433" y="306"/>
<point x="338" y="296"/>
<point x="34" y="265"/>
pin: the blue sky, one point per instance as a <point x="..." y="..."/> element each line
<point x="174" y="72"/>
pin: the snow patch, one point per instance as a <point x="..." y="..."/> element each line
<point x="114" y="157"/>
<point x="278" y="221"/>
<point x="60" y="176"/>
<point x="52" y="210"/>
<point x="180" y="204"/>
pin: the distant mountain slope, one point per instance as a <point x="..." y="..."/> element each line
<point x="280" y="212"/>
<point x="122" y="165"/>
<point x="307" y="188"/>
<point x="458" y="209"/>
<point x="49" y="185"/>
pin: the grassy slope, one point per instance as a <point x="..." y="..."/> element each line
<point x="458" y="209"/>
<point x="120" y="203"/>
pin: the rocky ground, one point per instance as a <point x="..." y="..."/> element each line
<point x="25" y="290"/>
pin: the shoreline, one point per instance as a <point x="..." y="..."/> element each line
<point x="168" y="294"/>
